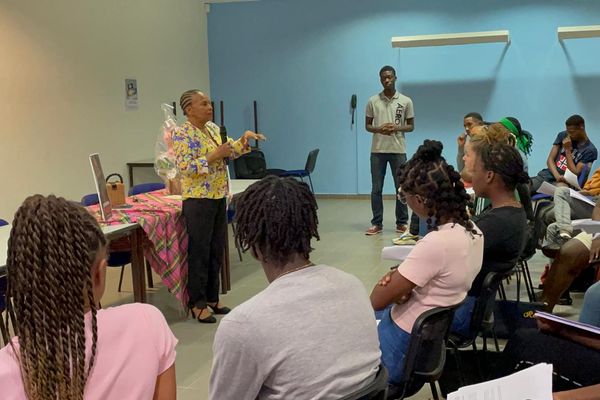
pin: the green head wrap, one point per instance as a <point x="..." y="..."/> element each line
<point x="523" y="138"/>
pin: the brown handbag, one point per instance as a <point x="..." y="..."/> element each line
<point x="116" y="190"/>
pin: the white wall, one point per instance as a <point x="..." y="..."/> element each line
<point x="62" y="70"/>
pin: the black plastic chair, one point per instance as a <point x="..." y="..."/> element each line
<point x="145" y="188"/>
<point x="482" y="319"/>
<point x="116" y="258"/>
<point x="376" y="390"/>
<point x="426" y="354"/>
<point x="311" y="162"/>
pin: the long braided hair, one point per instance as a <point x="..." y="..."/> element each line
<point x="52" y="247"/>
<point x="428" y="174"/>
<point x="277" y="217"/>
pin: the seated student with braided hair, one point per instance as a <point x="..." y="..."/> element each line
<point x="310" y="334"/>
<point x="495" y="169"/>
<point x="439" y="270"/>
<point x="66" y="347"/>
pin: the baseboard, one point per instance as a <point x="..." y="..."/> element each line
<point x="350" y="196"/>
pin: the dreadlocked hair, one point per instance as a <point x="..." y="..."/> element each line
<point x="52" y="247"/>
<point x="277" y="217"/>
<point x="505" y="161"/>
<point x="428" y="174"/>
<point x="186" y="99"/>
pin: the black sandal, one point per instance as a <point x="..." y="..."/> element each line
<point x="219" y="310"/>
<point x="208" y="320"/>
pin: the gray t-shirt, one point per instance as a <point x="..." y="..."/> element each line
<point x="310" y="334"/>
<point x="384" y="110"/>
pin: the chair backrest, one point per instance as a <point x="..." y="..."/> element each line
<point x="250" y="165"/>
<point x="3" y="222"/>
<point x="426" y="354"/>
<point x="90" y="200"/>
<point x="484" y="305"/>
<point x="311" y="161"/>
<point x="376" y="390"/>
<point x="145" y="188"/>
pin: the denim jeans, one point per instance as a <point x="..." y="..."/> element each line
<point x="461" y="324"/>
<point x="379" y="162"/>
<point x="393" y="342"/>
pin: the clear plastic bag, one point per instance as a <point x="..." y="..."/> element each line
<point x="164" y="157"/>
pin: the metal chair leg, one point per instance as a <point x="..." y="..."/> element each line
<point x="495" y="340"/>
<point x="456" y="354"/>
<point x="528" y="281"/>
<point x="434" y="391"/>
<point x="121" y="278"/>
<point x="502" y="292"/>
<point x="311" y="184"/>
<point x="237" y="246"/>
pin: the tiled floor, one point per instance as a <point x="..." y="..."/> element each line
<point x="343" y="245"/>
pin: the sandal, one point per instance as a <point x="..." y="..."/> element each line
<point x="219" y="310"/>
<point x="207" y="320"/>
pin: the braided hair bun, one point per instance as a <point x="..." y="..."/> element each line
<point x="430" y="150"/>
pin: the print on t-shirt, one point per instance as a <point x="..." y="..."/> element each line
<point x="399" y="113"/>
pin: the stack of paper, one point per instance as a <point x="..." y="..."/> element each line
<point x="531" y="383"/>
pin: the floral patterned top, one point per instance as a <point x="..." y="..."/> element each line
<point x="199" y="179"/>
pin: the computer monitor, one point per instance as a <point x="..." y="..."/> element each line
<point x="100" y="182"/>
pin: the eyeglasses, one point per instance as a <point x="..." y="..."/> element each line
<point x="401" y="196"/>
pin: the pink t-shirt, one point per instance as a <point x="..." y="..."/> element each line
<point x="443" y="265"/>
<point x="135" y="345"/>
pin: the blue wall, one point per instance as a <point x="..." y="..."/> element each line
<point x="303" y="59"/>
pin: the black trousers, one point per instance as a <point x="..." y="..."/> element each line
<point x="206" y="223"/>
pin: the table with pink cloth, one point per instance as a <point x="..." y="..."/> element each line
<point x="159" y="216"/>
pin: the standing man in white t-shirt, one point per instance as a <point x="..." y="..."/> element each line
<point x="389" y="116"/>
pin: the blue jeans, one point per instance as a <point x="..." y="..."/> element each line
<point x="590" y="312"/>
<point x="461" y="324"/>
<point x="379" y="162"/>
<point x="393" y="342"/>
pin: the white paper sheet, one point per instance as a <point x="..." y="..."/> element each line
<point x="533" y="383"/>
<point x="587" y="225"/>
<point x="549" y="189"/>
<point x="571" y="179"/>
<point x="396" y="253"/>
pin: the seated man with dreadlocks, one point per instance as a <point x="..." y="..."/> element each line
<point x="439" y="270"/>
<point x="311" y="333"/>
